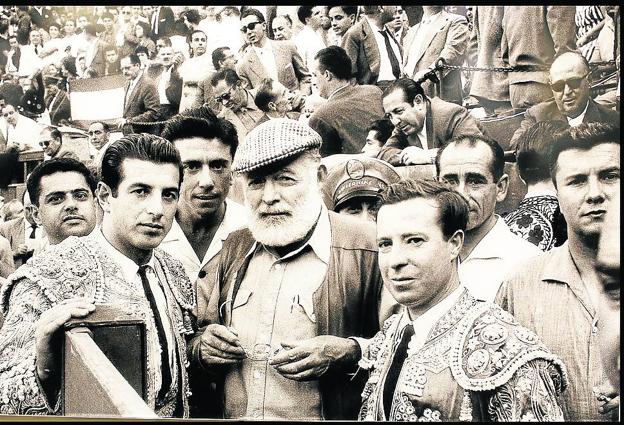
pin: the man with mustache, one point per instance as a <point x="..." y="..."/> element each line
<point x="572" y="103"/>
<point x="475" y="167"/>
<point x="62" y="191"/>
<point x="116" y="264"/>
<point x="291" y="289"/>
<point x="446" y="356"/>
<point x="558" y="293"/>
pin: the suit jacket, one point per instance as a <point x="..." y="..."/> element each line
<point x="548" y="111"/>
<point x="13" y="231"/>
<point x="534" y="35"/>
<point x="173" y="91"/>
<point x="444" y="121"/>
<point x="143" y="103"/>
<point x="484" y="50"/>
<point x="342" y="121"/>
<point x="447" y="39"/>
<point x="291" y="71"/>
<point x="59" y="107"/>
<point x="359" y="43"/>
<point x="164" y="24"/>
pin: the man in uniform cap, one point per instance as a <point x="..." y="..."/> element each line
<point x="355" y="187"/>
<point x="293" y="291"/>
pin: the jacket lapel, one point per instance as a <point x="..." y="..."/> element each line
<point x="370" y="47"/>
<point x="593" y="113"/>
<point x="255" y="66"/>
<point x="280" y="61"/>
<point x="408" y="40"/>
<point x="438" y="24"/>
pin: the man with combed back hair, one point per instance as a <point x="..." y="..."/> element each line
<point x="447" y="356"/>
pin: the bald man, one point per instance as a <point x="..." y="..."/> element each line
<point x="572" y="103"/>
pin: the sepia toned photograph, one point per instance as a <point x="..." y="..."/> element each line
<point x="310" y="213"/>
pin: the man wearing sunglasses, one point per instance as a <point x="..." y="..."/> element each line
<point x="264" y="58"/>
<point x="572" y="103"/>
<point x="238" y="102"/>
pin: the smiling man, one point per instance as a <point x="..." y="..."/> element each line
<point x="447" y="356"/>
<point x="63" y="192"/>
<point x="558" y="294"/>
<point x="118" y="263"/>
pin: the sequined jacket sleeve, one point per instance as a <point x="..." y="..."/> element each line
<point x="20" y="393"/>
<point x="530" y="395"/>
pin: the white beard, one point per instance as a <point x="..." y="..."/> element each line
<point x="285" y="230"/>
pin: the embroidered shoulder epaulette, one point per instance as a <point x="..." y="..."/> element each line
<point x="491" y="346"/>
<point x="69" y="268"/>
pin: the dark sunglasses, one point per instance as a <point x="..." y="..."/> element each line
<point x="225" y="96"/>
<point x="249" y="26"/>
<point x="44" y="143"/>
<point x="573" y="83"/>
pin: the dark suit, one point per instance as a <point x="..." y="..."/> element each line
<point x="291" y="71"/>
<point x="548" y="111"/>
<point x="343" y="120"/>
<point x="173" y="91"/>
<point x="164" y="22"/>
<point x="142" y="103"/>
<point x="444" y="121"/>
<point x="446" y="38"/>
<point x="359" y="43"/>
<point x="58" y="107"/>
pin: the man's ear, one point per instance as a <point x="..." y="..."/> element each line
<point x="321" y="173"/>
<point x="456" y="242"/>
<point x="36" y="216"/>
<point x="103" y="193"/>
<point x="501" y="188"/>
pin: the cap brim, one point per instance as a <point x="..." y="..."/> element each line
<point x="357" y="194"/>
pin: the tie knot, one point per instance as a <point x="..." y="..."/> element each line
<point x="408" y="331"/>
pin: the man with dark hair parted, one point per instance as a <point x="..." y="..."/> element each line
<point x="116" y="264"/>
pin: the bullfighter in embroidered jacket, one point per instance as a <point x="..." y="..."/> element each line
<point x="116" y="264"/>
<point x="447" y="356"/>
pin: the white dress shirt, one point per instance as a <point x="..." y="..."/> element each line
<point x="267" y="58"/>
<point x="573" y="122"/>
<point x="129" y="271"/>
<point x="308" y="43"/>
<point x="176" y="244"/>
<point x="385" y="68"/>
<point x="495" y="256"/>
<point x="24" y="134"/>
<point x="423" y="29"/>
<point x="163" y="82"/>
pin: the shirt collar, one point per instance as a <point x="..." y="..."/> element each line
<point x="430" y="19"/>
<point x="320" y="241"/>
<point x="425" y="321"/>
<point x="561" y="267"/>
<point x="373" y="25"/>
<point x="579" y="119"/>
<point x="128" y="267"/>
<point x="493" y="242"/>
<point x="337" y="90"/>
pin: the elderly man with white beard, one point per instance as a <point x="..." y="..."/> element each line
<point x="294" y="291"/>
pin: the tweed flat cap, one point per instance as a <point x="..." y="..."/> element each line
<point x="273" y="141"/>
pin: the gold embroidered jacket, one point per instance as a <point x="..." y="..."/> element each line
<point x="78" y="267"/>
<point x="477" y="364"/>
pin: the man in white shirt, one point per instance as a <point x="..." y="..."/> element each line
<point x="19" y="131"/>
<point x="474" y="166"/>
<point x="375" y="53"/>
<point x="309" y="40"/>
<point x="205" y="217"/>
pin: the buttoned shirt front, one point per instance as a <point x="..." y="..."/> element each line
<point x="547" y="295"/>
<point x="385" y="68"/>
<point x="275" y="304"/>
<point x="576" y="121"/>
<point x="129" y="270"/>
<point x="492" y="259"/>
<point x="176" y="243"/>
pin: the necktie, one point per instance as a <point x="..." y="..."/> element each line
<point x="164" y="352"/>
<point x="394" y="62"/>
<point x="33" y="231"/>
<point x="395" y="369"/>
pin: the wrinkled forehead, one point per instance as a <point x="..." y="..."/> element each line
<point x="463" y="158"/>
